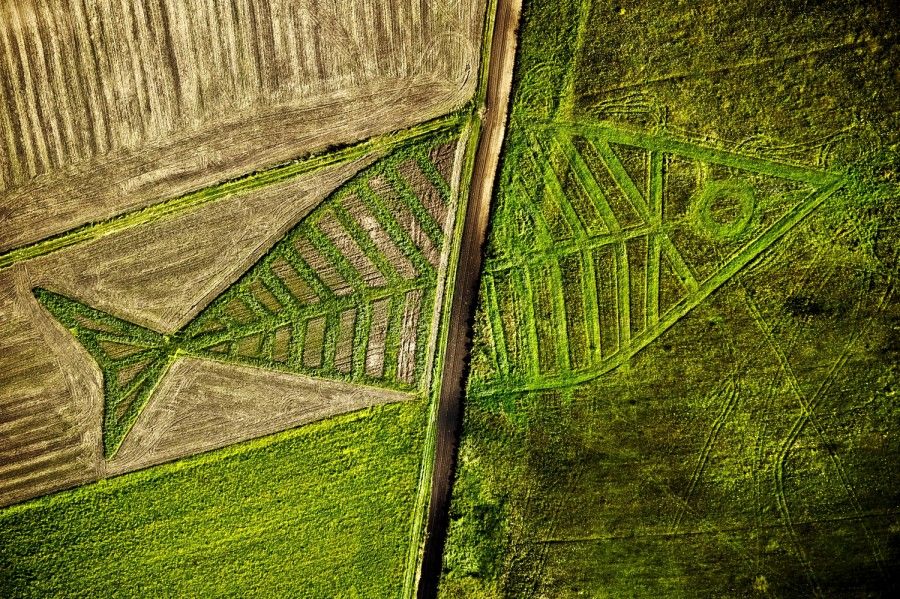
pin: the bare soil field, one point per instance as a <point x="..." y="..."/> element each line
<point x="160" y="275"/>
<point x="110" y="106"/>
<point x="49" y="405"/>
<point x="203" y="405"/>
<point x="51" y="397"/>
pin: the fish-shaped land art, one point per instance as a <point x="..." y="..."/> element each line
<point x="348" y="293"/>
<point x="605" y="237"/>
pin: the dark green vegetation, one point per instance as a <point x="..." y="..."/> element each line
<point x="348" y="293"/>
<point x="320" y="511"/>
<point x="684" y="380"/>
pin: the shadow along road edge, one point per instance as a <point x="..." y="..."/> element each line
<point x="465" y="290"/>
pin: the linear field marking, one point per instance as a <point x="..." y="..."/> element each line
<point x="734" y="265"/>
<point x="545" y="200"/>
<point x="622" y="179"/>
<point x="654" y="247"/>
<point x="496" y="327"/>
<point x="551" y="180"/>
<point x="808" y="406"/>
<point x="560" y="249"/>
<point x="559" y="317"/>
<point x="623" y="294"/>
<point x="669" y="144"/>
<point x="522" y="283"/>
<point x="728" y="391"/>
<point x="591" y="309"/>
<point x="543" y="227"/>
<point x="589" y="185"/>
<point x="193" y="200"/>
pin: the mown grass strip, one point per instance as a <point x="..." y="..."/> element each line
<point x="735" y="264"/>
<point x="669" y="144"/>
<point x="496" y="325"/>
<point x="313" y="233"/>
<point x="590" y="186"/>
<point x="557" y="193"/>
<point x="193" y="200"/>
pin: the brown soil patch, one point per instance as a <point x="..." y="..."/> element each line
<point x="203" y="405"/>
<point x="162" y="274"/>
<point x="50" y="406"/>
<point x="106" y="107"/>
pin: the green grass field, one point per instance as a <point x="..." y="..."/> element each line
<point x="684" y="374"/>
<point x="319" y="511"/>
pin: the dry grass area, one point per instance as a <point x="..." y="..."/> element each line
<point x="203" y="405"/>
<point x="160" y="275"/>
<point x="50" y="400"/>
<point x="109" y="105"/>
<point x="51" y="397"/>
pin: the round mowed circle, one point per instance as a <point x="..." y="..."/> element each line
<point x="724" y="208"/>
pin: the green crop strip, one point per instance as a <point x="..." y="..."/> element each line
<point x="254" y="519"/>
<point x="241" y="325"/>
<point x="191" y="201"/>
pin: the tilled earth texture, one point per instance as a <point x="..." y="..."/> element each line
<point x="685" y="367"/>
<point x="226" y="231"/>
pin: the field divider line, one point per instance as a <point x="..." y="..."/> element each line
<point x="496" y="325"/>
<point x="736" y="264"/>
<point x="670" y="144"/>
<point x="394" y="230"/>
<point x="445" y="421"/>
<point x="432" y="174"/>
<point x="561" y="326"/>
<point x="438" y="347"/>
<point x="561" y="249"/>
<point x="591" y="305"/>
<point x="242" y="184"/>
<point x="522" y="285"/>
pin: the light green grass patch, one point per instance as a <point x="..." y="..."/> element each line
<point x="319" y="511"/>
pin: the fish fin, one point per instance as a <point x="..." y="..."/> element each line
<point x="132" y="358"/>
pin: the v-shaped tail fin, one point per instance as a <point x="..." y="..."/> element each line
<point x="132" y="359"/>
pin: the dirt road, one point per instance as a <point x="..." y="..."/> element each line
<point x="465" y="291"/>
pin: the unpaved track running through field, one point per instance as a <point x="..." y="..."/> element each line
<point x="465" y="291"/>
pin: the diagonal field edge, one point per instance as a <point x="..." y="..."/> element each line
<point x="665" y="143"/>
<point x="195" y="199"/>
<point x="734" y="265"/>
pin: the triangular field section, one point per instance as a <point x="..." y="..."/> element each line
<point x="347" y="294"/>
<point x="646" y="226"/>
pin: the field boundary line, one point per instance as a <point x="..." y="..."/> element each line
<point x="418" y="518"/>
<point x="206" y="195"/>
<point x="734" y="265"/>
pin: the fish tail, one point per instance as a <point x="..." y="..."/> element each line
<point x="132" y="358"/>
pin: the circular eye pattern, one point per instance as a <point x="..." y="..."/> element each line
<point x="723" y="209"/>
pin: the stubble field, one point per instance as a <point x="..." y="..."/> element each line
<point x="214" y="230"/>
